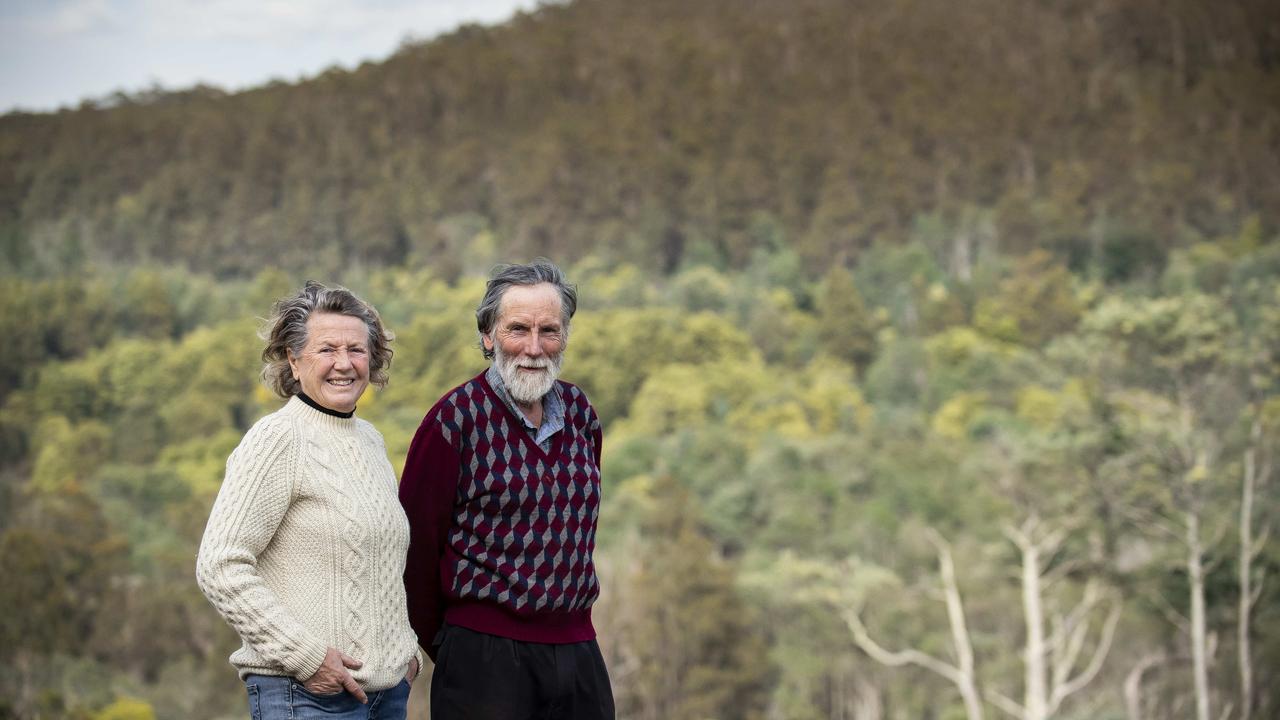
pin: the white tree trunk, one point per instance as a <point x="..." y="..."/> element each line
<point x="1249" y="549"/>
<point x="1133" y="684"/>
<point x="1246" y="586"/>
<point x="960" y="675"/>
<point x="1035" y="701"/>
<point x="867" y="702"/>
<point x="1195" y="574"/>
<point x="1050" y="660"/>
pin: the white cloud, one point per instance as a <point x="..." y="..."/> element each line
<point x="71" y="18"/>
<point x="292" y="21"/>
<point x="56" y="53"/>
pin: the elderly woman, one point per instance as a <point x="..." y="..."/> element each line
<point x="305" y="547"/>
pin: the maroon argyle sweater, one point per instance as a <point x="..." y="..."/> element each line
<point x="502" y="533"/>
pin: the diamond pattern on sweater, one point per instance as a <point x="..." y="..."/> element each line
<point x="524" y="522"/>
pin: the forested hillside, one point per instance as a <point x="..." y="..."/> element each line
<point x="669" y="132"/>
<point x="937" y="345"/>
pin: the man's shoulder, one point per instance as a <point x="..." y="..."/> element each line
<point x="460" y="400"/>
<point x="465" y="392"/>
<point x="575" y="398"/>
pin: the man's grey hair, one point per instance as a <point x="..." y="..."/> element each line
<point x="504" y="277"/>
<point x="286" y="331"/>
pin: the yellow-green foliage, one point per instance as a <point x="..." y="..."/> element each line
<point x="954" y="418"/>
<point x="722" y="390"/>
<point x="126" y="708"/>
<point x="846" y="271"/>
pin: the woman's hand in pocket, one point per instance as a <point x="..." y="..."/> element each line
<point x="333" y="677"/>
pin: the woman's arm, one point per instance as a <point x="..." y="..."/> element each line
<point x="256" y="492"/>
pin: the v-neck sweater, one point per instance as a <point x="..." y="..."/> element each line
<point x="502" y="533"/>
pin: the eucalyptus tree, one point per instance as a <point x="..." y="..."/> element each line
<point x="1168" y="361"/>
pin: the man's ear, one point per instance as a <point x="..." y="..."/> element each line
<point x="487" y="341"/>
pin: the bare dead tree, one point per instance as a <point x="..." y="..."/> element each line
<point x="1133" y="683"/>
<point x="1256" y="471"/>
<point x="961" y="674"/>
<point x="1050" y="660"/>
<point x="1198" y="458"/>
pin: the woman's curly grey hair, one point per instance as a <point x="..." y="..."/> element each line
<point x="537" y="272"/>
<point x="286" y="330"/>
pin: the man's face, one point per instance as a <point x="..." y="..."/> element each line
<point x="528" y="340"/>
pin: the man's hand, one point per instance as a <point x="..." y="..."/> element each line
<point x="413" y="670"/>
<point x="332" y="677"/>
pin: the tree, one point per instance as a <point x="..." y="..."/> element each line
<point x="1052" y="670"/>
<point x="962" y="672"/>
<point x="684" y="645"/>
<point x="1260" y="358"/>
<point x="846" y="328"/>
<point x="1177" y="349"/>
<point x="1032" y="305"/>
<point x="60" y="562"/>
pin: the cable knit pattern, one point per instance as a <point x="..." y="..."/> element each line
<point x="305" y="549"/>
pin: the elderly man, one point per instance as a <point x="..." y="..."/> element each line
<point x="502" y="490"/>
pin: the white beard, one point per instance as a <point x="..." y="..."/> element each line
<point x="527" y="387"/>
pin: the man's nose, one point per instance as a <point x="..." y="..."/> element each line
<point x="341" y="359"/>
<point x="533" y="345"/>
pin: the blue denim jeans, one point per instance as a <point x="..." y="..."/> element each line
<point x="283" y="698"/>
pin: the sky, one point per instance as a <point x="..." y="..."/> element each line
<point x="56" y="53"/>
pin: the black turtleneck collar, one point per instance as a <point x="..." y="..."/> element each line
<point x="327" y="411"/>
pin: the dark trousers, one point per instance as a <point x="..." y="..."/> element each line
<point x="486" y="677"/>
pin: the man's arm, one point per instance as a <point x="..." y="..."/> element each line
<point x="597" y="440"/>
<point x="428" y="488"/>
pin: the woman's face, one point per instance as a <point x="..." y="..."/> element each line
<point x="333" y="367"/>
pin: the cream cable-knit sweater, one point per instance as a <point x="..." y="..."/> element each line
<point x="305" y="549"/>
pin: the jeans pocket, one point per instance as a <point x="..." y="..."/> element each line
<point x="307" y="704"/>
<point x="393" y="702"/>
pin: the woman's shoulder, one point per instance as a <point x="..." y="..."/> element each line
<point x="269" y="443"/>
<point x="271" y="429"/>
<point x="366" y="429"/>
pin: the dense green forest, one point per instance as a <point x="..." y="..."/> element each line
<point x="937" y="344"/>
<point x="673" y="132"/>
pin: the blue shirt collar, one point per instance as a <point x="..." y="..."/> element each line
<point x="552" y="409"/>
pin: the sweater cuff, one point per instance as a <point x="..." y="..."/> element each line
<point x="306" y="661"/>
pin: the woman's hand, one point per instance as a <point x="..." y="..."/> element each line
<point x="413" y="670"/>
<point x="332" y="677"/>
